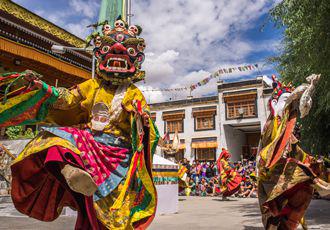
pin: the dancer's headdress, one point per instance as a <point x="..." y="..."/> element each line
<point x="119" y="52"/>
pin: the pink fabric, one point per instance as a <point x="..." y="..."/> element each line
<point x="99" y="160"/>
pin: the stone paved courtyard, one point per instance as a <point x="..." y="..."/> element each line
<point x="194" y="213"/>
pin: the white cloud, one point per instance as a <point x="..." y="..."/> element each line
<point x="79" y="29"/>
<point x="186" y="39"/>
<point x="89" y="8"/>
<point x="204" y="35"/>
<point x="159" y="68"/>
<point x="74" y="17"/>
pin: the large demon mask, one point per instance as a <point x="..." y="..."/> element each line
<point x="284" y="95"/>
<point x="119" y="53"/>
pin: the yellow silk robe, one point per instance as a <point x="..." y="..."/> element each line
<point x="72" y="108"/>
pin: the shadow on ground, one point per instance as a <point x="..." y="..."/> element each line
<point x="318" y="212"/>
<point x="251" y="213"/>
<point x="252" y="228"/>
<point x="223" y="200"/>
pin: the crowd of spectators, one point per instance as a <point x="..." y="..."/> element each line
<point x="203" y="178"/>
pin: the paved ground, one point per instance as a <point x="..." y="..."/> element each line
<point x="213" y="213"/>
<point x="194" y="213"/>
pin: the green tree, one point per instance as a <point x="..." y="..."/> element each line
<point x="16" y="132"/>
<point x="306" y="50"/>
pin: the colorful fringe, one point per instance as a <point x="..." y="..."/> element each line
<point x="29" y="107"/>
<point x="165" y="176"/>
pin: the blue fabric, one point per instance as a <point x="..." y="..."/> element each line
<point x="112" y="182"/>
<point x="60" y="133"/>
<point x="108" y="139"/>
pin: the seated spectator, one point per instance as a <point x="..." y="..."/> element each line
<point x="254" y="191"/>
<point x="193" y="172"/>
<point x="203" y="186"/>
<point x="209" y="171"/>
<point x="191" y="189"/>
<point x="203" y="178"/>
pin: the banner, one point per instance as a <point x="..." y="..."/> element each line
<point x="206" y="80"/>
<point x="223" y="71"/>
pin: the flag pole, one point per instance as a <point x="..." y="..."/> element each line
<point x="129" y="11"/>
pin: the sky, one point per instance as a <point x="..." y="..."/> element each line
<point x="187" y="40"/>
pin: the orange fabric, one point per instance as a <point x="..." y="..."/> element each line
<point x="298" y="199"/>
<point x="204" y="145"/>
<point x="31" y="53"/>
<point x="283" y="142"/>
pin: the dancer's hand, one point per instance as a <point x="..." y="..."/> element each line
<point x="33" y="78"/>
<point x="36" y="84"/>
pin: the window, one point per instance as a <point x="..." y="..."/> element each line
<point x="174" y="125"/>
<point x="241" y="109"/>
<point x="204" y="123"/>
<point x="173" y="121"/>
<point x="207" y="154"/>
<point x="204" y="117"/>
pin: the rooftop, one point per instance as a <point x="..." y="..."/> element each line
<point x="258" y="81"/>
<point x="185" y="102"/>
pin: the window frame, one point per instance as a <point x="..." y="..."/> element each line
<point x="177" y="120"/>
<point x="199" y="149"/>
<point x="255" y="106"/>
<point x="196" y="129"/>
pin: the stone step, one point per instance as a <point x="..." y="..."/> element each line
<point x="7" y="208"/>
<point x="5" y="199"/>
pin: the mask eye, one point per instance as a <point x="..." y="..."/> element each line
<point x="141" y="46"/>
<point x="103" y="119"/>
<point x="105" y="49"/>
<point x="131" y="51"/>
<point x="120" y="37"/>
<point x="96" y="118"/>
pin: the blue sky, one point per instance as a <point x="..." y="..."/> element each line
<point x="186" y="39"/>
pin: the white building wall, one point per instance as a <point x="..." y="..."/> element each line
<point x="262" y="107"/>
<point x="189" y="132"/>
<point x="222" y="119"/>
<point x="227" y="137"/>
<point x="232" y="139"/>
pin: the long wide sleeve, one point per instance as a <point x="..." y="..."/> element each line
<point x="28" y="108"/>
<point x="73" y="106"/>
<point x="58" y="106"/>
